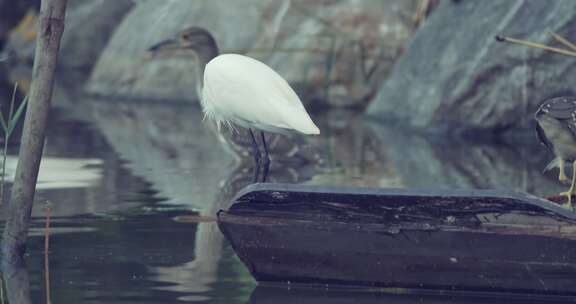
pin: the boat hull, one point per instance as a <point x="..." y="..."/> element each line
<point x="457" y="240"/>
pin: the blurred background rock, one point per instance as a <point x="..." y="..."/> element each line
<point x="332" y="51"/>
<point x="455" y="77"/>
<point x="451" y="76"/>
<point x="89" y="24"/>
<point x="335" y="52"/>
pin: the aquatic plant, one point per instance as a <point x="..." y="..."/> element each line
<point x="8" y="125"/>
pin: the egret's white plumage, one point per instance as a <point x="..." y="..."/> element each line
<point x="238" y="90"/>
<point x="246" y="92"/>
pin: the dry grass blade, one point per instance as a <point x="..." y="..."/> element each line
<point x="421" y="11"/>
<point x="16" y="116"/>
<point x="12" y="100"/>
<point x="536" y="45"/>
<point x="564" y="41"/>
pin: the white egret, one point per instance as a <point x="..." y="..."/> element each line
<point x="238" y="90"/>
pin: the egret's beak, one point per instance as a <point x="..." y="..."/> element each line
<point x="169" y="44"/>
<point x="164" y="49"/>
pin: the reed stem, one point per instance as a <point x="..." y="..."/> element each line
<point x="535" y="45"/>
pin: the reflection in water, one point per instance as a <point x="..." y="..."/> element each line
<point x="363" y="153"/>
<point x="152" y="162"/>
<point x="198" y="275"/>
<point x="80" y="174"/>
<point x="61" y="173"/>
<point x="183" y="156"/>
<point x="354" y="155"/>
<point x="184" y="159"/>
<point x="168" y="146"/>
<point x="425" y="162"/>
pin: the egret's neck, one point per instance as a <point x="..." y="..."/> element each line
<point x="202" y="56"/>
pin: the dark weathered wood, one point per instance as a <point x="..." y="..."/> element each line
<point x="51" y="26"/>
<point x="468" y="240"/>
<point x="294" y="294"/>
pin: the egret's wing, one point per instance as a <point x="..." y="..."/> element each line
<point x="243" y="90"/>
<point x="255" y="73"/>
<point x="542" y="137"/>
<point x="561" y="108"/>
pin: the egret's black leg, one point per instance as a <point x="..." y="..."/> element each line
<point x="256" y="156"/>
<point x="266" y="158"/>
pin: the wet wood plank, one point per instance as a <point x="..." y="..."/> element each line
<point x="453" y="240"/>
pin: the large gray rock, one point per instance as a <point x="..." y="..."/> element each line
<point x="89" y="25"/>
<point x="454" y="76"/>
<point x="337" y="50"/>
<point x="10" y="14"/>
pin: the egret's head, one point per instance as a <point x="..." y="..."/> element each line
<point x="192" y="38"/>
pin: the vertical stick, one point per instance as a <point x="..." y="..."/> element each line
<point x="46" y="255"/>
<point x="51" y="26"/>
<point x="2" y="291"/>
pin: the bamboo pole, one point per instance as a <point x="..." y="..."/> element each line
<point x="50" y="28"/>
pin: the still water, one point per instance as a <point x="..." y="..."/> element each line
<point x="134" y="187"/>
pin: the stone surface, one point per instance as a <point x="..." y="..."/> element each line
<point x="337" y="51"/>
<point x="89" y="25"/>
<point x="455" y="77"/>
<point x="11" y="12"/>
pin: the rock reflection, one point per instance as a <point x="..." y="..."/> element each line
<point x="167" y="145"/>
<point x="429" y="162"/>
<point x="353" y="153"/>
<point x="360" y="152"/>
<point x="62" y="173"/>
<point x="191" y="164"/>
<point x="182" y="156"/>
<point x="79" y="174"/>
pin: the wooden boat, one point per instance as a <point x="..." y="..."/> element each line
<point x="457" y="240"/>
